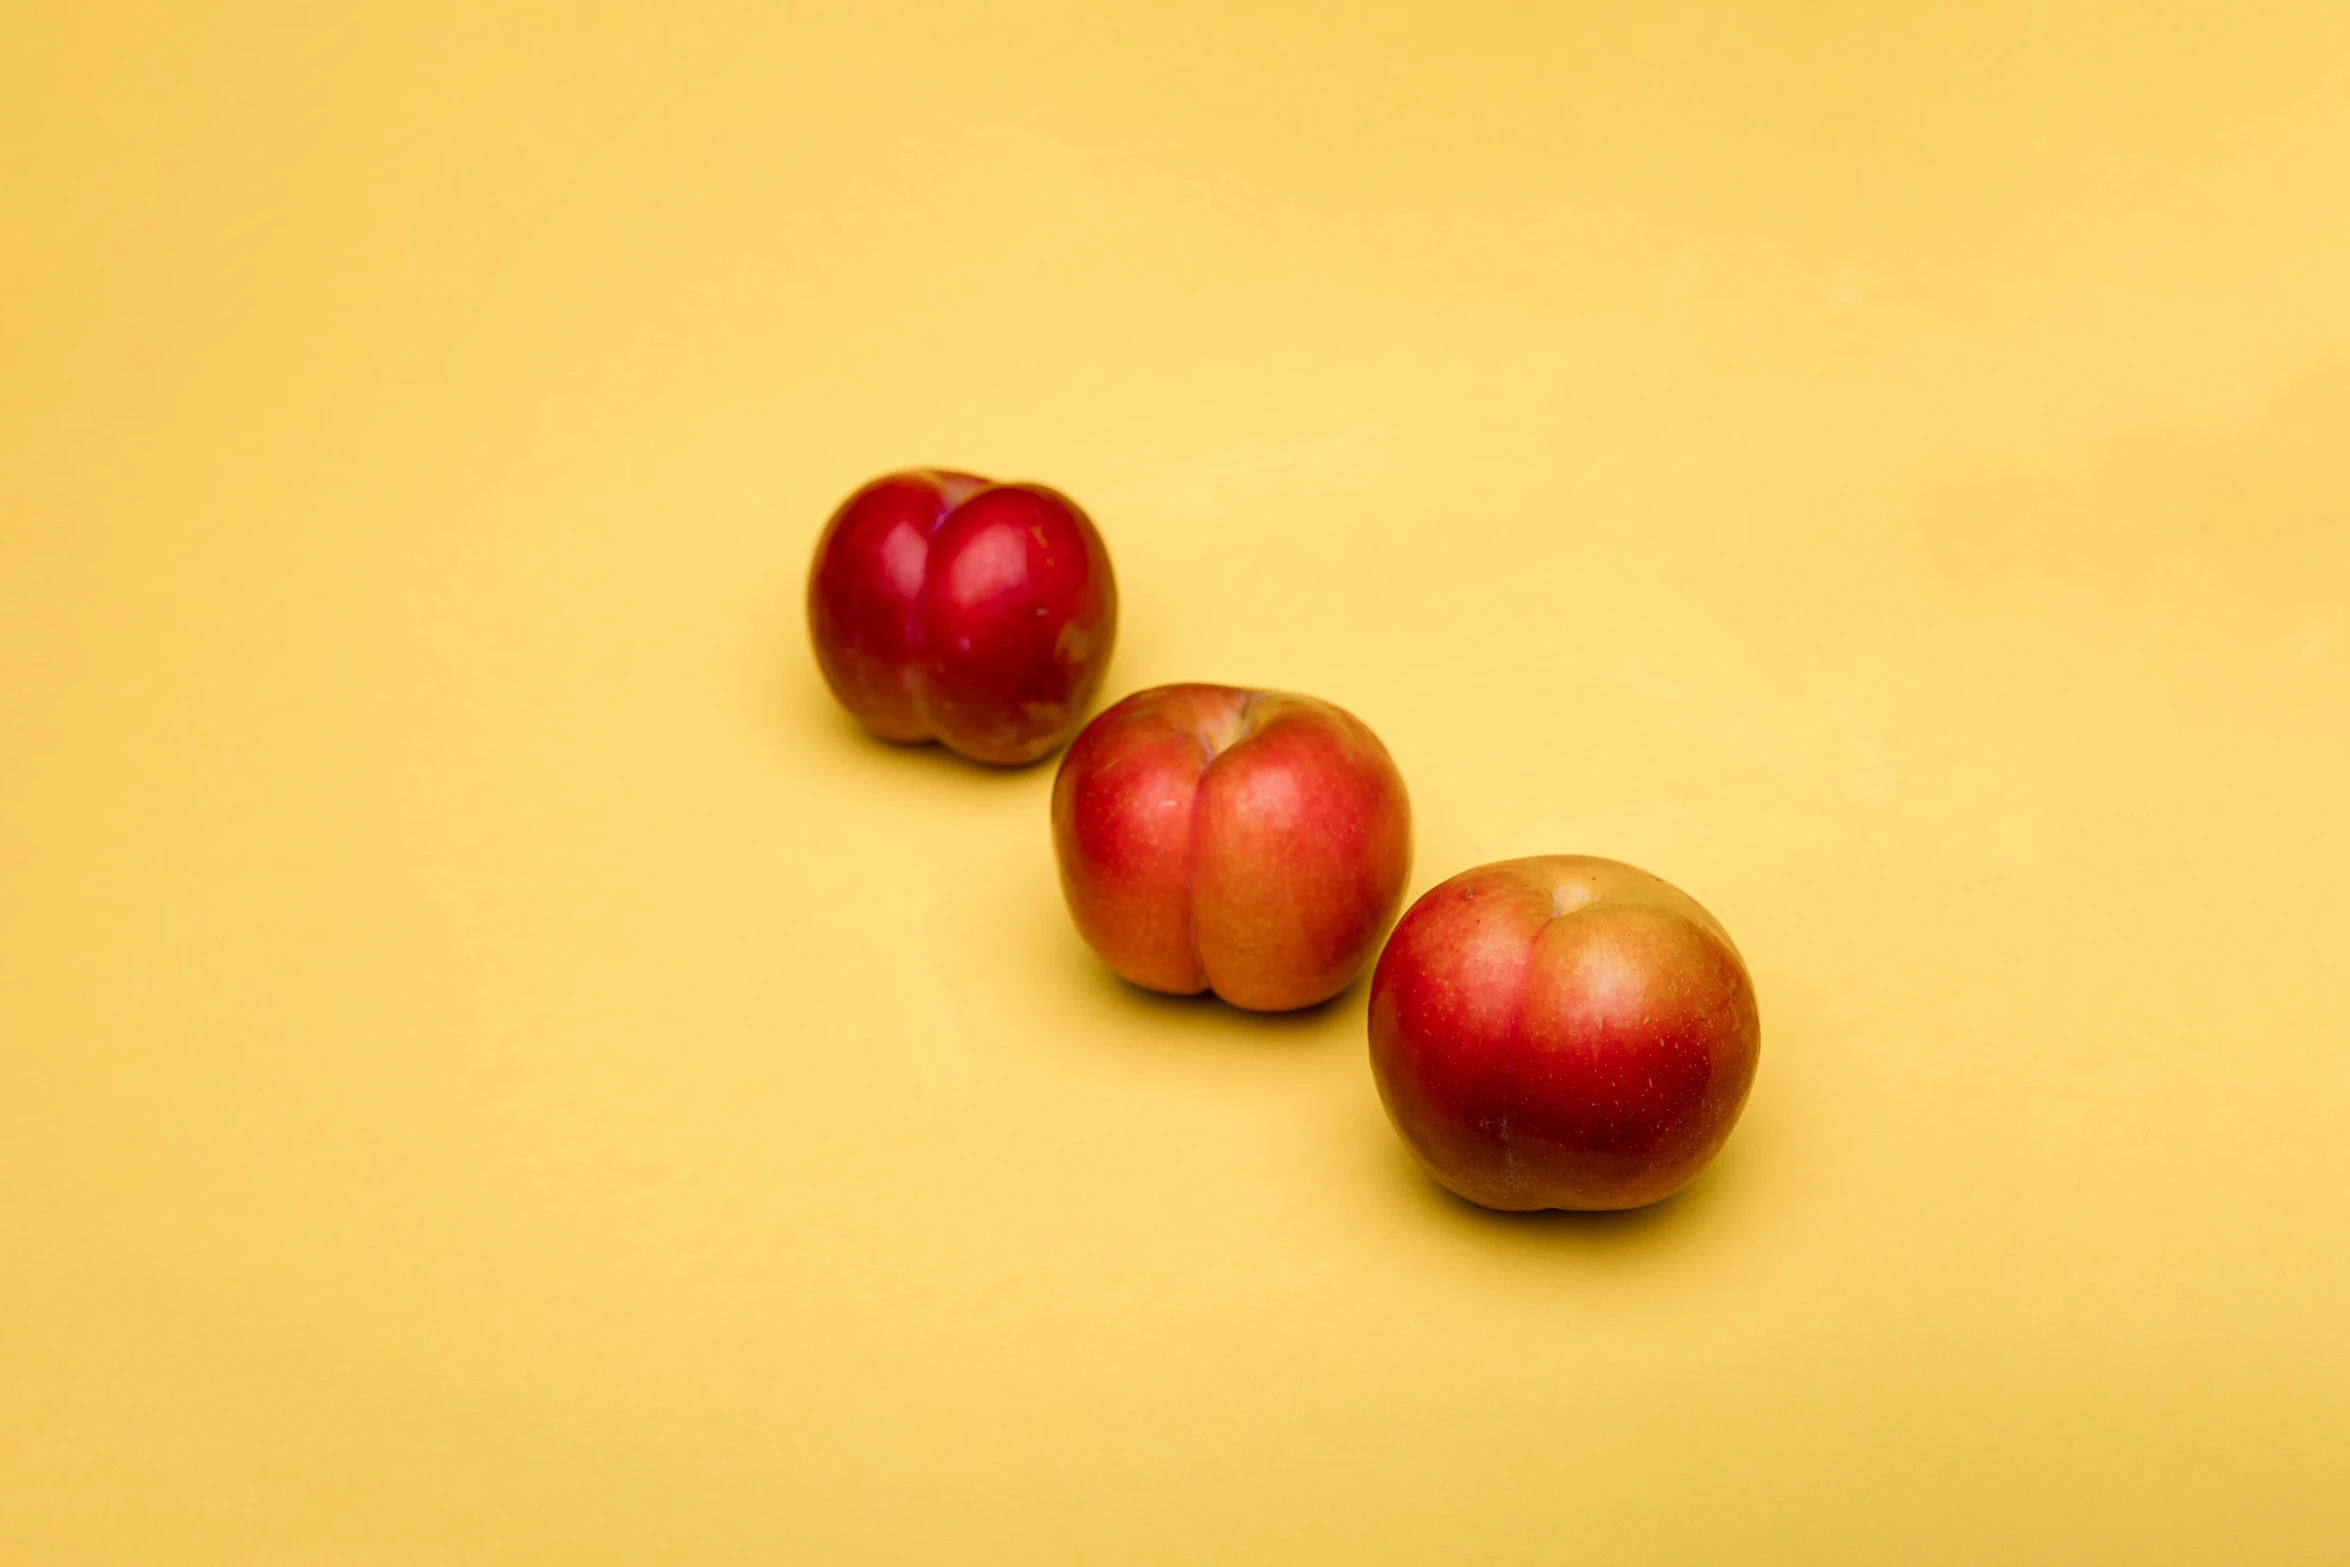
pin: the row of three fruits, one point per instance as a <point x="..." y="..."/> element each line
<point x="1559" y="1032"/>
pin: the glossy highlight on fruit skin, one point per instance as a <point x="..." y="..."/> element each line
<point x="1253" y="843"/>
<point x="1562" y="1032"/>
<point x="948" y="607"/>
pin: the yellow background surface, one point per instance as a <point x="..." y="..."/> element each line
<point x="494" y="1068"/>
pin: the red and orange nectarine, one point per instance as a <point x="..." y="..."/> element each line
<point x="1252" y="843"/>
<point x="1562" y="1032"/>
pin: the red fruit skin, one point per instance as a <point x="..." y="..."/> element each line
<point x="1562" y="1032"/>
<point x="947" y="607"/>
<point x="1253" y="843"/>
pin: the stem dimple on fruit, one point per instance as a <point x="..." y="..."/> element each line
<point x="1217" y="738"/>
<point x="1570" y="896"/>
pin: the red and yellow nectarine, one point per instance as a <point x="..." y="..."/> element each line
<point x="1252" y="843"/>
<point x="1562" y="1032"/>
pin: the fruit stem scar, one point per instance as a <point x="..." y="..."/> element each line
<point x="1216" y="738"/>
<point x="1570" y="896"/>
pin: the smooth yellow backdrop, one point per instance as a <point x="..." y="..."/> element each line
<point x="494" y="1068"/>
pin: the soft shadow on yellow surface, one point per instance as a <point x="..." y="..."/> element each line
<point x="1591" y="1239"/>
<point x="1151" y="1014"/>
<point x="809" y="724"/>
<point x="927" y="757"/>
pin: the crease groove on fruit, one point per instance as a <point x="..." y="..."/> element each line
<point x="1199" y="795"/>
<point x="1510" y="1064"/>
<point x="916" y="677"/>
<point x="1217" y="738"/>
